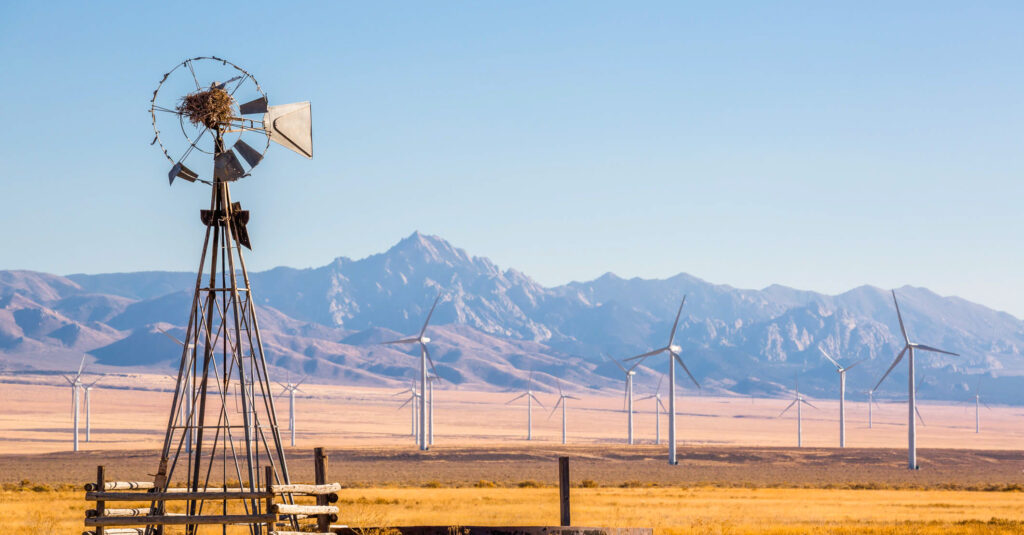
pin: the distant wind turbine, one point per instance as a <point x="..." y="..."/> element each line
<point x="75" y="383"/>
<point x="413" y="397"/>
<point x="799" y="401"/>
<point x="185" y="407"/>
<point x="530" y="398"/>
<point x="871" y="401"/>
<point x="658" y="406"/>
<point x="909" y="348"/>
<point x="628" y="401"/>
<point x="673" y="357"/>
<point x="422" y="340"/>
<point x="561" y="401"/>
<point x="842" y="395"/>
<point x="291" y="389"/>
<point x="977" y="407"/>
<point x="88" y="411"/>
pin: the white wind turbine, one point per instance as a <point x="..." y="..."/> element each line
<point x="75" y="383"/>
<point x="799" y="401"/>
<point x="977" y="407"/>
<point x="88" y="410"/>
<point x="628" y="401"/>
<point x="909" y="348"/>
<point x="561" y="401"/>
<point x="422" y="340"/>
<point x="530" y="398"/>
<point x="658" y="406"/>
<point x="842" y="395"/>
<point x="673" y="352"/>
<point x="413" y="396"/>
<point x="291" y="389"/>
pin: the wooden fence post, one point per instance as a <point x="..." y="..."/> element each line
<point x="268" y="480"/>
<point x="323" y="522"/>
<point x="101" y="484"/>
<point x="563" y="489"/>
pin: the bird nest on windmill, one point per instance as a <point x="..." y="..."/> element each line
<point x="210" y="107"/>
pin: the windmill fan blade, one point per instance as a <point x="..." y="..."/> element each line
<point x="224" y="84"/>
<point x="891" y="366"/>
<point x="251" y="155"/>
<point x="254" y="106"/>
<point x="180" y="171"/>
<point x="934" y="350"/>
<point x="291" y="126"/>
<point x="226" y="167"/>
<point x="239" y="223"/>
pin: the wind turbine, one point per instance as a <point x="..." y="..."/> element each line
<point x="909" y="348"/>
<point x="185" y="415"/>
<point x="88" y="412"/>
<point x="530" y="398"/>
<point x="799" y="401"/>
<point x="413" y="396"/>
<point x="658" y="406"/>
<point x="422" y="340"/>
<point x="287" y="386"/>
<point x="871" y="401"/>
<point x="673" y="357"/>
<point x="977" y="407"/>
<point x="75" y="383"/>
<point x="561" y="401"/>
<point x="628" y="401"/>
<point x="842" y="395"/>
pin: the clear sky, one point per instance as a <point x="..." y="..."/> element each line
<point x="816" y="144"/>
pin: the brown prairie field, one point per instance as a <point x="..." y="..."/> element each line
<point x="738" y="471"/>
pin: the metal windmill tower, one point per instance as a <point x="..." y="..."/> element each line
<point x="198" y="120"/>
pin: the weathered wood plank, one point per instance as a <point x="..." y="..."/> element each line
<point x="120" y="485"/>
<point x="166" y="496"/>
<point x="153" y="520"/>
<point x="134" y="511"/>
<point x="288" y="509"/>
<point x="311" y="490"/>
<point x="119" y="531"/>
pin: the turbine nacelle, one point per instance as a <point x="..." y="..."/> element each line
<point x="424" y="339"/>
<point x="675" y="349"/>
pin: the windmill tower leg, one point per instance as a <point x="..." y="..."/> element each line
<point x="222" y="348"/>
<point x="672" y="411"/>
<point x="842" y="410"/>
<point x="911" y="408"/>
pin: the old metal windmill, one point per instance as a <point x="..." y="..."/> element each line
<point x="207" y="111"/>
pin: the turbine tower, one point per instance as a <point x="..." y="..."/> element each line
<point x="799" y="401"/>
<point x="561" y="401"/>
<point x="291" y="389"/>
<point x="530" y="398"/>
<point x="88" y="411"/>
<point x="673" y="357"/>
<point x="431" y="379"/>
<point x="658" y="406"/>
<point x="75" y="384"/>
<point x="977" y="408"/>
<point x="185" y="407"/>
<point x="842" y="395"/>
<point x="422" y="340"/>
<point x="628" y="400"/>
<point x="908" y="349"/>
<point x="871" y="401"/>
<point x="413" y="397"/>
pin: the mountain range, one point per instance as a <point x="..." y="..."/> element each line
<point x="494" y="327"/>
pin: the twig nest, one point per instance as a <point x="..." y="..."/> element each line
<point x="210" y="107"/>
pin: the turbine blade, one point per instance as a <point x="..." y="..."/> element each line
<point x="830" y="359"/>
<point x="172" y="337"/>
<point x="537" y="400"/>
<point x="68" y="379"/>
<point x="430" y="361"/>
<point x="893" y="365"/>
<point x="515" y="398"/>
<point x="403" y="392"/>
<point x="919" y="417"/>
<point x="406" y="402"/>
<point x="649" y="353"/>
<point x="672" y="336"/>
<point x="402" y="341"/>
<point x="986" y="405"/>
<point x="98" y="379"/>
<point x="81" y="366"/>
<point x="303" y="380"/>
<point x="660" y="379"/>
<point x="663" y="407"/>
<point x="424" y="329"/>
<point x="903" y="329"/>
<point x="555" y="408"/>
<point x="559" y="381"/>
<point x="933" y="349"/>
<point x="685" y="369"/>
<point x="791" y="403"/>
<point x="571" y="397"/>
<point x="616" y="363"/>
<point x="808" y="403"/>
<point x="848" y="368"/>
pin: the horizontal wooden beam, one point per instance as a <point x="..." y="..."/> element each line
<point x="161" y="520"/>
<point x="120" y="485"/>
<point x="167" y="496"/>
<point x="312" y="490"/>
<point x="119" y="531"/>
<point x="135" y="511"/>
<point x="297" y="533"/>
<point x="289" y="509"/>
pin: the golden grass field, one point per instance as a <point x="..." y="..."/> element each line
<point x="739" y="472"/>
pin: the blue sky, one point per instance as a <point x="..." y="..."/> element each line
<point x="817" y="145"/>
